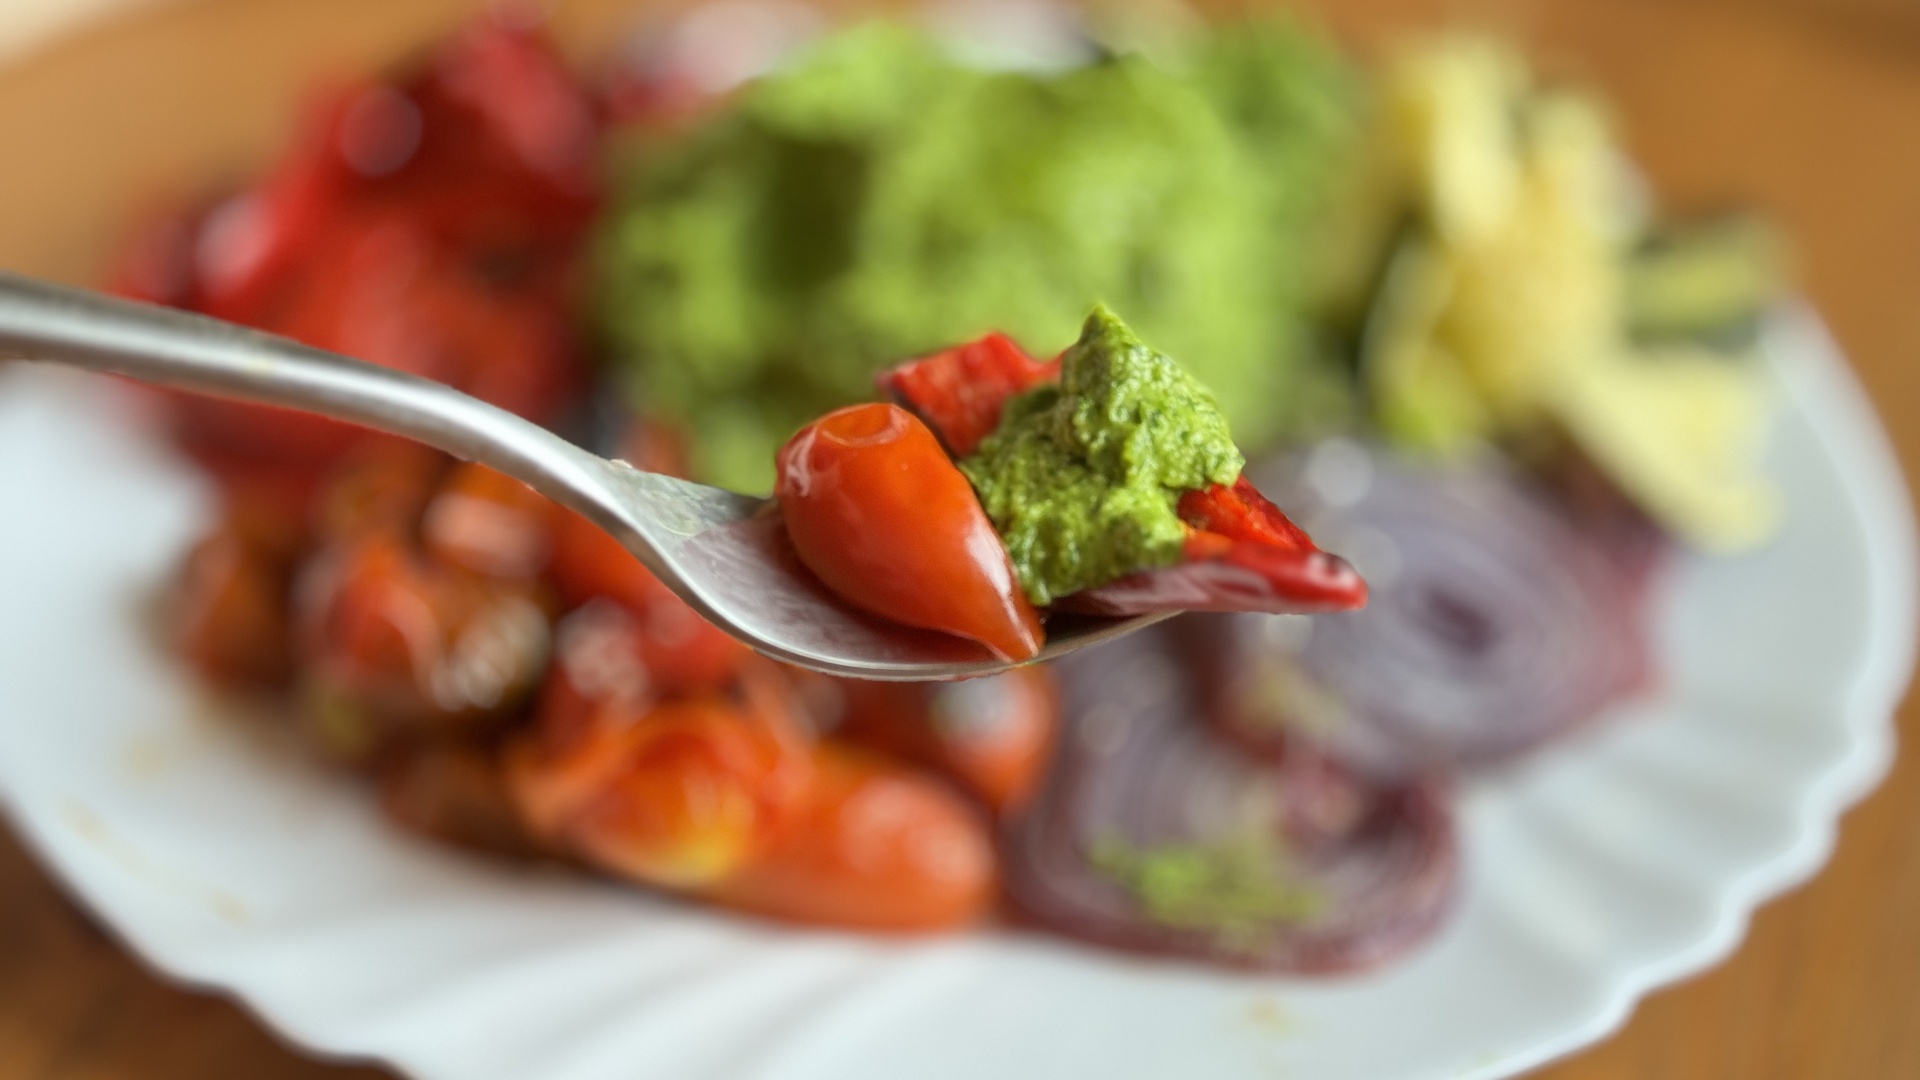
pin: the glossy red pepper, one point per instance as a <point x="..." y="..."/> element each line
<point x="960" y="392"/>
<point x="490" y="146"/>
<point x="249" y="247"/>
<point x="375" y="284"/>
<point x="876" y="509"/>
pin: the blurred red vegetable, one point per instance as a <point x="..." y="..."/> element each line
<point x="992" y="735"/>
<point x="382" y="485"/>
<point x="677" y="794"/>
<point x="428" y="224"/>
<point x="873" y="846"/>
<point x="678" y="648"/>
<point x="490" y="523"/>
<point x="394" y="644"/>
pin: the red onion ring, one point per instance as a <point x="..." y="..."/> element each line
<point x="1139" y="774"/>
<point x="1498" y="620"/>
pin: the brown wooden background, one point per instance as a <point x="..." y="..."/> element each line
<point x="1810" y="108"/>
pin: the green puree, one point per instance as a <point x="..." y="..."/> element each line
<point x="875" y="200"/>
<point x="1236" y="889"/>
<point x="1082" y="479"/>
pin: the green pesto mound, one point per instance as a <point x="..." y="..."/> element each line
<point x="875" y="200"/>
<point x="1082" y="479"/>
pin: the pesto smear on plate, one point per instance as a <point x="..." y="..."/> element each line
<point x="1082" y="479"/>
<point x="875" y="199"/>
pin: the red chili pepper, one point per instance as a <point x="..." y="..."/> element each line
<point x="155" y="261"/>
<point x="878" y="511"/>
<point x="961" y="392"/>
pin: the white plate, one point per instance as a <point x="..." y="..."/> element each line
<point x="1608" y="867"/>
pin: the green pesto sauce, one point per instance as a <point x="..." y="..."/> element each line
<point x="1237" y="890"/>
<point x="874" y="200"/>
<point x="1082" y="479"/>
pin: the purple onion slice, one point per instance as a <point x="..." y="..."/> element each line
<point x="1249" y="577"/>
<point x="1499" y="619"/>
<point x="1152" y="832"/>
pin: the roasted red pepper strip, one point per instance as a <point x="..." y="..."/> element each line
<point x="961" y="391"/>
<point x="429" y="223"/>
<point x="1240" y="512"/>
<point x="1242" y="554"/>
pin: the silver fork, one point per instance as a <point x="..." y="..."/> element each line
<point x="723" y="552"/>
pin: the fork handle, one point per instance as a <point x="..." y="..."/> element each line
<point x="40" y="321"/>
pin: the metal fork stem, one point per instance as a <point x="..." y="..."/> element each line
<point x="45" y="322"/>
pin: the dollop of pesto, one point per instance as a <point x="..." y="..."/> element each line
<point x="876" y="199"/>
<point x="1082" y="479"/>
<point x="1237" y="889"/>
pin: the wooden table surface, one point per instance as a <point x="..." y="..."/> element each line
<point x="1810" y="108"/>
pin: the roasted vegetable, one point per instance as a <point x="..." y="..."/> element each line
<point x="1498" y="623"/>
<point x="1154" y="832"/>
<point x="875" y="508"/>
